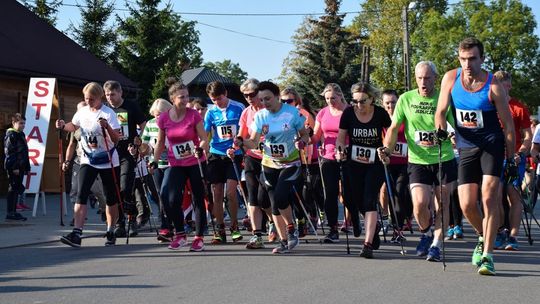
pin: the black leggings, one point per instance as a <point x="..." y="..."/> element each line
<point x="330" y="171"/>
<point x="257" y="194"/>
<point x="456" y="215"/>
<point x="87" y="176"/>
<point x="172" y="191"/>
<point x="16" y="188"/>
<point x="279" y="184"/>
<point x="399" y="180"/>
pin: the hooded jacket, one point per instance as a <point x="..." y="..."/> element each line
<point x="16" y="151"/>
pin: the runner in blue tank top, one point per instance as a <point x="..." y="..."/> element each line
<point x="222" y="121"/>
<point x="478" y="102"/>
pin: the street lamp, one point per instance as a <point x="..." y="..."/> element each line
<point x="406" y="45"/>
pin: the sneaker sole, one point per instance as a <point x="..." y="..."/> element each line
<point x="511" y="248"/>
<point x="248" y="246"/>
<point x="330" y="241"/>
<point x="164" y="239"/>
<point x="196" y="250"/>
<point x="69" y="243"/>
<point x="433" y="259"/>
<point x="280" y="252"/>
<point x="485" y="271"/>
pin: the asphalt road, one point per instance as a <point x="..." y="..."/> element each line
<point x="147" y="272"/>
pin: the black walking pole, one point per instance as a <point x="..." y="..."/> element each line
<point x="441" y="199"/>
<point x="61" y="175"/>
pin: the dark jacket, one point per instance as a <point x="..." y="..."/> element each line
<point x="16" y="151"/>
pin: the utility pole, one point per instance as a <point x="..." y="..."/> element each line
<point x="406" y="47"/>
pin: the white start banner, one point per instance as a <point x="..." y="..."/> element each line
<point x="38" y="114"/>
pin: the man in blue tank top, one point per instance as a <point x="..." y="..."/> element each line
<point x="479" y="107"/>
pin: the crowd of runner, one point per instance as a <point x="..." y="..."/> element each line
<point x="427" y="155"/>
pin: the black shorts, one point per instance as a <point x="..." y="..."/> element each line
<point x="476" y="162"/>
<point x="429" y="174"/>
<point x="87" y="176"/>
<point x="220" y="168"/>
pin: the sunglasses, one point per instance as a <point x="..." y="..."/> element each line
<point x="360" y="101"/>
<point x="251" y="95"/>
<point x="289" y="101"/>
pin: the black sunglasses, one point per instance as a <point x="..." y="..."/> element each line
<point x="251" y="95"/>
<point x="360" y="101"/>
<point x="287" y="100"/>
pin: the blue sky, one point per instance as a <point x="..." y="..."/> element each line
<point x="260" y="58"/>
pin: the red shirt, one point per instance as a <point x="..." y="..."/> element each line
<point x="521" y="117"/>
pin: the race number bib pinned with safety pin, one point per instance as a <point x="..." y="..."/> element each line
<point x="400" y="150"/>
<point x="226" y="132"/>
<point x="183" y="150"/>
<point x="469" y="119"/>
<point x="364" y="155"/>
<point x="424" y="138"/>
<point x="277" y="150"/>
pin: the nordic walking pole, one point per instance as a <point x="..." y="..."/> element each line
<point x="61" y="175"/>
<point x="201" y="172"/>
<point x="441" y="201"/>
<point x="118" y="196"/>
<point x="146" y="189"/>
<point x="342" y="178"/>
<point x="392" y="206"/>
<point x="299" y="198"/>
<point x="319" y="158"/>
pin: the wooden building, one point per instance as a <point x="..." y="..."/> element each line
<point x="30" y="47"/>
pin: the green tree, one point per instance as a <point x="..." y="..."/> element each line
<point x="155" y="44"/>
<point x="227" y="68"/>
<point x="324" y="52"/>
<point x="506" y="27"/>
<point x="93" y="33"/>
<point x="46" y="10"/>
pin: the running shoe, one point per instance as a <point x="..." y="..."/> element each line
<point x="133" y="231"/>
<point x="512" y="244"/>
<point x="165" y="235"/>
<point x="15" y="217"/>
<point x="458" y="232"/>
<point x="219" y="238"/>
<point x="500" y="240"/>
<point x="236" y="235"/>
<point x="434" y="254"/>
<point x="120" y="231"/>
<point x="332" y="237"/>
<point x="408" y="225"/>
<point x="187" y="228"/>
<point x="346" y="227"/>
<point x="449" y="234"/>
<point x="423" y="246"/>
<point x="197" y="245"/>
<point x="281" y="248"/>
<point x="301" y="228"/>
<point x="272" y="233"/>
<point x="111" y="238"/>
<point x="486" y="266"/>
<point x="376" y="238"/>
<point x="179" y="241"/>
<point x="477" y="253"/>
<point x="367" y="251"/>
<point x="292" y="239"/>
<point x="357" y="227"/>
<point x="397" y="237"/>
<point x="385" y="225"/>
<point x="246" y="222"/>
<point x="255" y="242"/>
<point x="72" y="239"/>
<point x="25" y="207"/>
<point x="322" y="218"/>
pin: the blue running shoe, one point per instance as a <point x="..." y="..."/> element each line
<point x="500" y="240"/>
<point x="449" y="234"/>
<point x="423" y="245"/>
<point x="458" y="232"/>
<point x="512" y="244"/>
<point x="434" y="254"/>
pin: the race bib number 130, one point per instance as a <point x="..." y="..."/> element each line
<point x="364" y="155"/>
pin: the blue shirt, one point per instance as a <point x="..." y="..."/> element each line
<point x="279" y="130"/>
<point x="224" y="124"/>
<point x="476" y="119"/>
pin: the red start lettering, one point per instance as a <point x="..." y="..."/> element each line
<point x="28" y="177"/>
<point x="38" y="108"/>
<point x="42" y="89"/>
<point x="33" y="154"/>
<point x="34" y="134"/>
